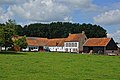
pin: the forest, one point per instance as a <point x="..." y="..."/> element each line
<point x="60" y="30"/>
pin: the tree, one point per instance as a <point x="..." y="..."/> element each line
<point x="19" y="30"/>
<point x="21" y="42"/>
<point x="9" y="31"/>
<point x="1" y="37"/>
<point x="62" y="29"/>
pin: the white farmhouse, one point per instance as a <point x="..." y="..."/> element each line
<point x="74" y="42"/>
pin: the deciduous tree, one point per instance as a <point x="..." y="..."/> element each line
<point x="9" y="31"/>
<point x="21" y="42"/>
<point x="1" y="37"/>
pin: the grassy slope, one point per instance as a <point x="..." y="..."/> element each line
<point x="58" y="66"/>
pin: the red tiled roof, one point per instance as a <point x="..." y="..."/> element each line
<point x="33" y="41"/>
<point x="56" y="42"/>
<point x="42" y="41"/>
<point x="97" y="42"/>
<point x="74" y="37"/>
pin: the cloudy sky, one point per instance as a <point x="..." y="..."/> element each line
<point x="105" y="13"/>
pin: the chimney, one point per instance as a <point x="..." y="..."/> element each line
<point x="83" y="32"/>
<point x="69" y="33"/>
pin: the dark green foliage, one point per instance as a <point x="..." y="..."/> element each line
<point x="62" y="29"/>
<point x="19" y="30"/>
<point x="7" y="30"/>
<point x="1" y="36"/>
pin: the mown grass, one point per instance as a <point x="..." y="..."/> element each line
<point x="58" y="66"/>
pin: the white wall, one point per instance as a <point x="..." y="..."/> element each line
<point x="26" y="49"/>
<point x="57" y="48"/>
<point x="71" y="46"/>
<point x="3" y="48"/>
<point x="31" y="48"/>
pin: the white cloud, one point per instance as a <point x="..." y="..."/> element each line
<point x="111" y="17"/>
<point x="5" y="15"/>
<point x="80" y="4"/>
<point x="43" y="10"/>
<point x="115" y="35"/>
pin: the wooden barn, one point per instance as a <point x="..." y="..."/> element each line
<point x="100" y="45"/>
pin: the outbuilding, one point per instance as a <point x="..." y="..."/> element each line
<point x="100" y="45"/>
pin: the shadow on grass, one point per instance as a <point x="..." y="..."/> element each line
<point x="12" y="53"/>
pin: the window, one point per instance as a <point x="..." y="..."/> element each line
<point x="112" y="51"/>
<point x="72" y="44"/>
<point x="66" y="50"/>
<point x="32" y="48"/>
<point x="56" y="49"/>
<point x="69" y="44"/>
<point x="74" y="50"/>
<point x="75" y="44"/>
<point x="66" y="44"/>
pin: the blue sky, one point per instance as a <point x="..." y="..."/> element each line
<point x="105" y="13"/>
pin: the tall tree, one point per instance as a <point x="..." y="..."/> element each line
<point x="9" y="31"/>
<point x="1" y="37"/>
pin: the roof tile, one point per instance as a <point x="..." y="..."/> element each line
<point x="56" y="42"/>
<point x="34" y="41"/>
<point x="74" y="37"/>
<point x="97" y="42"/>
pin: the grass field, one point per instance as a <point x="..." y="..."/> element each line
<point x="58" y="66"/>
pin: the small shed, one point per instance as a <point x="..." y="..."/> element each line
<point x="100" y="45"/>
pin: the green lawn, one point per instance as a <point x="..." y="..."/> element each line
<point x="58" y="66"/>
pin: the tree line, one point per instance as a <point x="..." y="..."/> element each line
<point x="60" y="30"/>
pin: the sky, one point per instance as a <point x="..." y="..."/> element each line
<point x="105" y="13"/>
